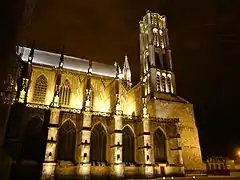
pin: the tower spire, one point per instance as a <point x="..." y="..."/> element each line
<point x="126" y="73"/>
<point x="118" y="70"/>
<point x="126" y="70"/>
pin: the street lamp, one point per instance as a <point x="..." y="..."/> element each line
<point x="238" y="153"/>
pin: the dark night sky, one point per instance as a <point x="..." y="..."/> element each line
<point x="205" y="42"/>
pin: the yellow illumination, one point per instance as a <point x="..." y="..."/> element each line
<point x="22" y="96"/>
<point x="145" y="114"/>
<point x="102" y="105"/>
<point x="238" y="153"/>
<point x="155" y="30"/>
<point x="84" y="169"/>
<point x="87" y="103"/>
<point x="149" y="170"/>
<point x="120" y="76"/>
<point x="160" y="31"/>
<point x="52" y="133"/>
<point x="118" y="170"/>
<point x="48" y="169"/>
<point x="129" y="109"/>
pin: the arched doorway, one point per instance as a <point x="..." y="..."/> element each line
<point x="98" y="144"/>
<point x="128" y="145"/>
<point x="160" y="153"/>
<point x="66" y="141"/>
<point x="34" y="142"/>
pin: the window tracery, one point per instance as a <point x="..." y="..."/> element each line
<point x="40" y="89"/>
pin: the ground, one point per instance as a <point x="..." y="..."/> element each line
<point x="198" y="178"/>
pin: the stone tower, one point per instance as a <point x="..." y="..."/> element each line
<point x="155" y="55"/>
<point x="159" y="92"/>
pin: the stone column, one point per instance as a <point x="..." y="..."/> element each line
<point x="85" y="137"/>
<point x="145" y="151"/>
<point x="116" y="146"/>
<point x="146" y="148"/>
<point x="50" y="153"/>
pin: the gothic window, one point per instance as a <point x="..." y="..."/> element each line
<point x="158" y="83"/>
<point x="64" y="93"/>
<point x="212" y="167"/>
<point x="40" y="89"/>
<point x="98" y="144"/>
<point x="128" y="145"/>
<point x="33" y="142"/>
<point x="160" y="153"/>
<point x="169" y="85"/>
<point x="163" y="83"/>
<point x="156" y="37"/>
<point x="66" y="142"/>
<point x="222" y="167"/>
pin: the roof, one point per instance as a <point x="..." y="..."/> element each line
<point x="73" y="63"/>
<point x="171" y="97"/>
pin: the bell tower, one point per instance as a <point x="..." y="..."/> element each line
<point x="155" y="55"/>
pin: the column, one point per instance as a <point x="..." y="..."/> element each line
<point x="145" y="150"/>
<point x="116" y="146"/>
<point x="85" y="137"/>
<point x="84" y="166"/>
<point x="50" y="153"/>
<point x="116" y="134"/>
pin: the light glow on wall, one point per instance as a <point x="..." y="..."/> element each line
<point x="84" y="169"/>
<point x="118" y="122"/>
<point x="48" y="169"/>
<point x="118" y="170"/>
<point x="52" y="133"/>
<point x="148" y="170"/>
<point x="85" y="150"/>
<point x="50" y="152"/>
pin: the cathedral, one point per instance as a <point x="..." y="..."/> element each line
<point x="77" y="117"/>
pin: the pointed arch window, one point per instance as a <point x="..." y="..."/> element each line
<point x="163" y="83"/>
<point x="169" y="84"/>
<point x="160" y="153"/>
<point x="64" y="93"/>
<point x="98" y="144"/>
<point x="40" y="89"/>
<point x="66" y="142"/>
<point x="128" y="145"/>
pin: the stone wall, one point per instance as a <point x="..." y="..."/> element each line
<point x="189" y="141"/>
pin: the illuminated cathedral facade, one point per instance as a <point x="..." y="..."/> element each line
<point x="77" y="117"/>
